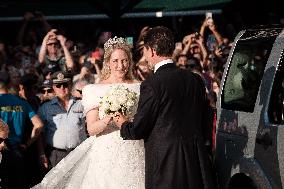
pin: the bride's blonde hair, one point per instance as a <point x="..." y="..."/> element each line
<point x="111" y="45"/>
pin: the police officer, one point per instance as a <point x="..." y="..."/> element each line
<point x="16" y="112"/>
<point x="64" y="122"/>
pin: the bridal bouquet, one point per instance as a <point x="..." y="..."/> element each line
<point x="119" y="99"/>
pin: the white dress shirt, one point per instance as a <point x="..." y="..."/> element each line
<point x="163" y="62"/>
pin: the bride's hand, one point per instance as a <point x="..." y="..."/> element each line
<point x="119" y="119"/>
<point x="107" y="119"/>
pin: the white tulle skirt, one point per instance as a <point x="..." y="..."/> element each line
<point x="105" y="162"/>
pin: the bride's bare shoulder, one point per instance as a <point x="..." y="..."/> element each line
<point x="91" y="87"/>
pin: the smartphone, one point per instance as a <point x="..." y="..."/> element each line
<point x="74" y="49"/>
<point x="179" y="45"/>
<point x="209" y="18"/>
<point x="208" y="15"/>
<point x="129" y="40"/>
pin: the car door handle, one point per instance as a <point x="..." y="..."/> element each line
<point x="264" y="139"/>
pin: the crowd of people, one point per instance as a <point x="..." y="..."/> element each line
<point x="42" y="82"/>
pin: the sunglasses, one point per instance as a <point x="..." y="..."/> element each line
<point x="65" y="85"/>
<point x="46" y="90"/>
<point x="80" y="91"/>
<point x="3" y="140"/>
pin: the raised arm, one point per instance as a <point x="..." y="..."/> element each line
<point x="200" y="42"/>
<point x="176" y="53"/>
<point x="45" y="24"/>
<point x="67" y="54"/>
<point x="187" y="41"/>
<point x="217" y="35"/>
<point x="42" y="52"/>
<point x="95" y="61"/>
<point x="27" y="17"/>
<point x="202" y="28"/>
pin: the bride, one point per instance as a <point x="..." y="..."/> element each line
<point x="104" y="160"/>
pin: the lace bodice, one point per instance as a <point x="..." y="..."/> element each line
<point x="125" y="158"/>
<point x="92" y="95"/>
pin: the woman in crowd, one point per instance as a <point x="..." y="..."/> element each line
<point x="50" y="52"/>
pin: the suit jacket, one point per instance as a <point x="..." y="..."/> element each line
<point x="171" y="114"/>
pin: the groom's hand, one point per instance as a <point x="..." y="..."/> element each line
<point x="119" y="119"/>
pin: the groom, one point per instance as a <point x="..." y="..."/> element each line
<point x="170" y="118"/>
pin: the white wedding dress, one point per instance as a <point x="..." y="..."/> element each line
<point x="103" y="162"/>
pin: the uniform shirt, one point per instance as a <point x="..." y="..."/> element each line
<point x="63" y="129"/>
<point x="15" y="112"/>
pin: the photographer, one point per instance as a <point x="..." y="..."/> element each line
<point x="194" y="46"/>
<point x="50" y="54"/>
<point x="215" y="39"/>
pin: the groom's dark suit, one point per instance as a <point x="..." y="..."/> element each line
<point x="170" y="118"/>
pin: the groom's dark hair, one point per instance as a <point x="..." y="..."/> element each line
<point x="161" y="39"/>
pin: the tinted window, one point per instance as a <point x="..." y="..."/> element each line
<point x="245" y="73"/>
<point x="276" y="103"/>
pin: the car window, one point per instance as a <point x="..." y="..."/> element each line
<point x="276" y="102"/>
<point x="245" y="73"/>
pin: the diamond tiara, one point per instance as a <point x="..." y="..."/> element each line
<point x="114" y="41"/>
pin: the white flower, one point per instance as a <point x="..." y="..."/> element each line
<point x="130" y="103"/>
<point x="115" y="106"/>
<point x="120" y="99"/>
